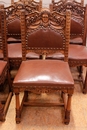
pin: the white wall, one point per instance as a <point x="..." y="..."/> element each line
<point x="45" y="2"/>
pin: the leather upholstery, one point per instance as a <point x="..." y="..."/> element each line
<point x="44" y="72"/>
<point x="45" y="38"/>
<point x="13" y="40"/>
<point x="14" y="31"/>
<point x="15" y="51"/>
<point x="55" y="56"/>
<point x="76" y="52"/>
<point x="77" y="40"/>
<point x="14" y="27"/>
<point x="76" y="27"/>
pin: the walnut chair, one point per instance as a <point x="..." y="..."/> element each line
<point x="13" y="32"/>
<point x="77" y="51"/>
<point x="4" y="69"/>
<point x="43" y="33"/>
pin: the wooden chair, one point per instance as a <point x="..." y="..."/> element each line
<point x="13" y="32"/>
<point x="77" y="36"/>
<point x="43" y="33"/>
<point x="4" y="69"/>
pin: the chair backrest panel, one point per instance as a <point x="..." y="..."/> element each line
<point x="45" y="32"/>
<point x="13" y="19"/>
<point x="43" y="38"/>
<point x="13" y="27"/>
<point x="78" y="17"/>
<point x="76" y="27"/>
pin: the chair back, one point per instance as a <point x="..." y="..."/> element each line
<point x="45" y="32"/>
<point x="78" y="17"/>
<point x="13" y="20"/>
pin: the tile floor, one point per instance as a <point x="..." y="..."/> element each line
<point x="49" y="118"/>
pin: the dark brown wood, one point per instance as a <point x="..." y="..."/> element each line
<point x="4" y="75"/>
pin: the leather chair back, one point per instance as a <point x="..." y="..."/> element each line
<point x="45" y="32"/>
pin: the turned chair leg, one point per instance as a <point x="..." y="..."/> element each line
<point x="85" y="84"/>
<point x="26" y="96"/>
<point x="80" y="70"/>
<point x="2" y="117"/>
<point x="67" y="111"/>
<point x="18" y="112"/>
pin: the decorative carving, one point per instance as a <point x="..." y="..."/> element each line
<point x="77" y="12"/>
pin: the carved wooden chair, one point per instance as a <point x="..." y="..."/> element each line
<point x="77" y="50"/>
<point x="4" y="69"/>
<point x="43" y="33"/>
<point x="13" y="32"/>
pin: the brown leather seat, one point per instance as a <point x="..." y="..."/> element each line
<point x="13" y="40"/>
<point x="44" y="73"/>
<point x="15" y="54"/>
<point x="44" y="76"/>
<point x="77" y="53"/>
<point x="15" y="51"/>
<point x="77" y="40"/>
